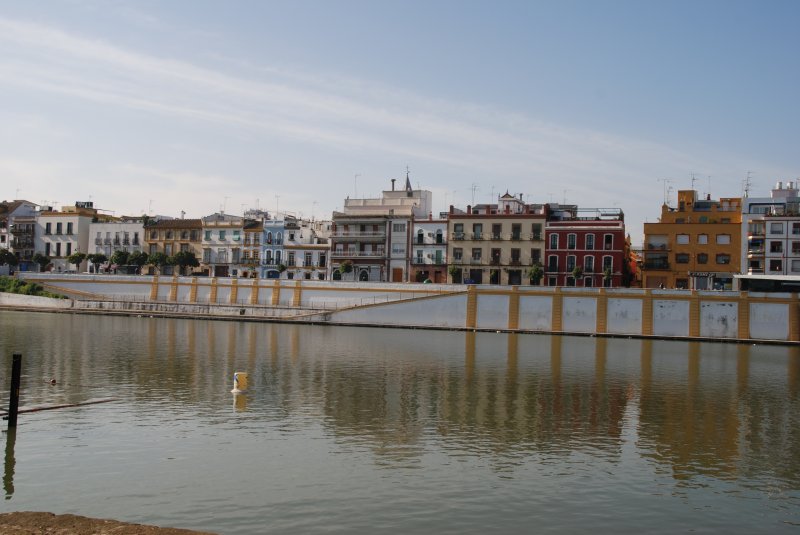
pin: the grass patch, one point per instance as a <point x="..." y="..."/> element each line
<point x="12" y="285"/>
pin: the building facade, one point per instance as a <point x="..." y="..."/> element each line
<point x="61" y="233"/>
<point x="223" y="236"/>
<point x="585" y="247"/>
<point x="694" y="245"/>
<point x="170" y="236"/>
<point x="429" y="250"/>
<point x="18" y="230"/>
<point x="108" y="237"/>
<point x="496" y="243"/>
<point x="771" y="232"/>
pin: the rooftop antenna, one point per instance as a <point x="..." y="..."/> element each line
<point x="747" y="184"/>
<point x="474" y="187"/>
<point x="313" y="204"/>
<point x="150" y="207"/>
<point x="693" y="180"/>
<point x="709" y="185"/>
<point x="225" y="203"/>
<point x="668" y="181"/>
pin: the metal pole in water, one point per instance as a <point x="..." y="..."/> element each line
<point x="13" y="402"/>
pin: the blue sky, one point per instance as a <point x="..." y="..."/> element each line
<point x="194" y="106"/>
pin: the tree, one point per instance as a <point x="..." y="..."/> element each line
<point x="455" y="274"/>
<point x="138" y="259"/>
<point x="7" y="257"/>
<point x="96" y="259"/>
<point x="120" y="258"/>
<point x="184" y="259"/>
<point x="42" y="260"/>
<point x="577" y="273"/>
<point x="159" y="260"/>
<point x="607" y="275"/>
<point x="76" y="258"/>
<point x="536" y="273"/>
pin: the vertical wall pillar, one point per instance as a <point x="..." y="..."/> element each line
<point x="513" y="308"/>
<point x="276" y="293"/>
<point x="794" y="328"/>
<point x="254" y="293"/>
<point x="212" y="298"/>
<point x="744" y="316"/>
<point x="154" y="288"/>
<point x="298" y="294"/>
<point x="234" y="291"/>
<point x="558" y="311"/>
<point x="602" y="312"/>
<point x="647" y="313"/>
<point x="472" y="306"/>
<point x="694" y="314"/>
<point x="193" y="291"/>
<point x="173" y="288"/>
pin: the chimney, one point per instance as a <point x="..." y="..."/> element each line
<point x="393" y="183"/>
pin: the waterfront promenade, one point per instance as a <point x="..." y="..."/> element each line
<point x="700" y="315"/>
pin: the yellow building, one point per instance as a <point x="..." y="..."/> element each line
<point x="696" y="245"/>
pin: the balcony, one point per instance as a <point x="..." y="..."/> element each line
<point x="552" y="268"/>
<point x="515" y="262"/>
<point x="536" y="237"/>
<point x="358" y="235"/>
<point x="358" y="254"/>
<point x="495" y="237"/>
<point x="756" y="251"/>
<point x="656" y="264"/>
<point x="475" y="261"/>
<point x="107" y="241"/>
<point x="458" y="236"/>
<point x="516" y="236"/>
<point x="656" y="247"/>
<point x="98" y="241"/>
<point x="477" y="235"/>
<point x="126" y="241"/>
<point x="494" y="261"/>
<point x="16" y="230"/>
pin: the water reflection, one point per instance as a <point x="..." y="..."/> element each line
<point x="695" y="410"/>
<point x="10" y="462"/>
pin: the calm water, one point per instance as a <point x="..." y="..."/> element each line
<point x="397" y="431"/>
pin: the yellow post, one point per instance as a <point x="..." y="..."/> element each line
<point x="744" y="316"/>
<point x="558" y="310"/>
<point x="647" y="313"/>
<point x="154" y="288"/>
<point x="472" y="306"/>
<point x="694" y="314"/>
<point x="234" y="291"/>
<point x="513" y="308"/>
<point x="794" y="328"/>
<point x="276" y="293"/>
<point x="193" y="291"/>
<point x="173" y="290"/>
<point x="254" y="293"/>
<point x="602" y="312"/>
<point x="212" y="298"/>
<point x="298" y="294"/>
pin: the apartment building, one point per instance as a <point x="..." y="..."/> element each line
<point x="223" y="235"/>
<point x="169" y="236"/>
<point x="496" y="243"/>
<point x="373" y="235"/>
<point x="429" y="250"/>
<point x="585" y="247"/>
<point x="108" y="237"/>
<point x="60" y="233"/>
<point x="17" y="231"/>
<point x="770" y="242"/>
<point x="694" y="245"/>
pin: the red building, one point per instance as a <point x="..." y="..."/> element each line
<point x="584" y="247"/>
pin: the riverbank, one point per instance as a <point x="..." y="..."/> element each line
<point x="38" y="523"/>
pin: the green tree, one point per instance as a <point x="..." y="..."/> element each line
<point x="577" y="273"/>
<point x="77" y="259"/>
<point x="7" y="257"/>
<point x="120" y="258"/>
<point x="97" y="258"/>
<point x="42" y="260"/>
<point x="159" y="260"/>
<point x="536" y="274"/>
<point x="346" y="267"/>
<point x="184" y="259"/>
<point x="455" y="274"/>
<point x="138" y="259"/>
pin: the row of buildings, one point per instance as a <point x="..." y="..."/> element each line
<point x="700" y="243"/>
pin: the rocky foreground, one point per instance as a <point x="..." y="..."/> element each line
<point x="30" y="523"/>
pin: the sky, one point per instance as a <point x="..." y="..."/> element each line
<point x="199" y="106"/>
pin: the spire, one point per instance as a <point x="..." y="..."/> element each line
<point x="408" y="184"/>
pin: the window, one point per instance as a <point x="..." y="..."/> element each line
<point x="776" y="247"/>
<point x="48" y="228"/>
<point x="69" y="228"/>
<point x="236" y="235"/>
<point x="536" y="231"/>
<point x="419" y="256"/>
<point x="588" y="264"/>
<point x="184" y="247"/>
<point x="516" y="231"/>
<point x="536" y="256"/>
<point x="185" y="235"/>
<point x="723" y="258"/>
<point x="69" y="249"/>
<point x="307" y="260"/>
<point x="590" y="242"/>
<point x="552" y="263"/>
<point x="702" y="239"/>
<point x="458" y="253"/>
<point x="682" y="239"/>
<point x="795" y="228"/>
<point x="322" y="260"/>
<point x="269" y="238"/>
<point x="608" y="242"/>
<point x="587" y="282"/>
<point x="551" y="281"/>
<point x="398" y="249"/>
<point x="570" y="281"/>
<point x="290" y="258"/>
<point x="477" y="230"/>
<point x="439" y="236"/>
<point x="268" y="257"/>
<point x="682" y="258"/>
<point x="47" y="248"/>
<point x="775" y="265"/>
<point x="476" y="254"/>
<point x="795" y="266"/>
<point x="168" y="249"/>
<point x="207" y="235"/>
<point x="570" y="262"/>
<point x="58" y="228"/>
<point x="291" y="236"/>
<point x="515" y="256"/>
<point x="398" y="227"/>
<point x="169" y="235"/>
<point x="236" y="253"/>
<point x="58" y="249"/>
<point x="776" y="228"/>
<point x="153" y="248"/>
<point x="420" y="237"/>
<point x="796" y="247"/>
<point x="221" y="235"/>
<point x="497" y="230"/>
<point x="723" y="239"/>
<point x="608" y="263"/>
<point x="554" y="241"/>
<point x="279" y="238"/>
<point x="702" y="258"/>
<point x="207" y="256"/>
<point x="571" y="241"/>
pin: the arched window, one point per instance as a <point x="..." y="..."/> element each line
<point x="420" y="237"/>
<point x="269" y="238"/>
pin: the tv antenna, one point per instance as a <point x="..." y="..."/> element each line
<point x="746" y="185"/>
<point x="474" y="188"/>
<point x="666" y="190"/>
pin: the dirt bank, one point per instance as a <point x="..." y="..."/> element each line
<point x="29" y="523"/>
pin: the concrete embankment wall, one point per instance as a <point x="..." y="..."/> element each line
<point x="623" y="312"/>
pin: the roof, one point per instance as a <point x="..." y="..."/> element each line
<point x="176" y="223"/>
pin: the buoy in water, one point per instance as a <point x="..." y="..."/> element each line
<point x="239" y="382"/>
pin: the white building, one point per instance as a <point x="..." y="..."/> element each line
<point x="223" y="239"/>
<point x="17" y="228"/>
<point x="61" y="233"/>
<point x="771" y="232"/>
<point x="429" y="250"/>
<point x="107" y="237"/>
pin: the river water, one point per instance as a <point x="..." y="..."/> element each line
<point x="356" y="430"/>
